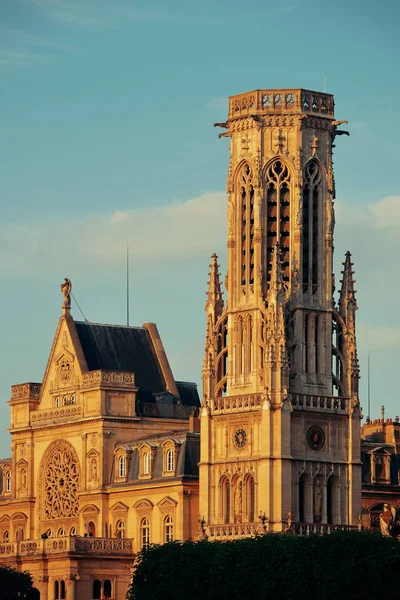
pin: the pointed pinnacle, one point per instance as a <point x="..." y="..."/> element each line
<point x="276" y="280"/>
<point x="214" y="294"/>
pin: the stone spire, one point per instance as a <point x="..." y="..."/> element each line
<point x="276" y="283"/>
<point x="347" y="299"/>
<point x="347" y="310"/>
<point x="214" y="303"/>
<point x="276" y="356"/>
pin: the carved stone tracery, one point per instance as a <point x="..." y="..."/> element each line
<point x="61" y="482"/>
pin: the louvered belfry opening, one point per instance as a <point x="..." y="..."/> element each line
<point x="278" y="215"/>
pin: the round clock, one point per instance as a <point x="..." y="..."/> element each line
<point x="240" y="438"/>
<point x="316" y="437"/>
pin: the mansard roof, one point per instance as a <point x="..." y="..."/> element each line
<point x="122" y="348"/>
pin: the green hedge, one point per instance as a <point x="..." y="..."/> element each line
<point x="14" y="585"/>
<point x="340" y="566"/>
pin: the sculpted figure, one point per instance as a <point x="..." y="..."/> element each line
<point x="317" y="501"/>
<point x="386" y="519"/>
<point x="66" y="288"/>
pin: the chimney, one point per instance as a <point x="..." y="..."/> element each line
<point x="194" y="422"/>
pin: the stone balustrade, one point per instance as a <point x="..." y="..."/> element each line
<point x="325" y="403"/>
<point x="108" y="378"/>
<point x="319" y="528"/>
<point x="227" y="404"/>
<point x="280" y="101"/>
<point x="233" y="531"/>
<point x="56" y="414"/>
<point x="26" y="391"/>
<point x="78" y="545"/>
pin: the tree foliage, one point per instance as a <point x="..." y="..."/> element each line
<point x="14" y="584"/>
<point x="345" y="565"/>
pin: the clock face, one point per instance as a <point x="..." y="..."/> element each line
<point x="316" y="437"/>
<point x="240" y="438"/>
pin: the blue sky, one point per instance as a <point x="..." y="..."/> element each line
<point x="106" y="112"/>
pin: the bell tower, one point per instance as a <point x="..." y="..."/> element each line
<point x="280" y="416"/>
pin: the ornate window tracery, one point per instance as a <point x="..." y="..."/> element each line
<point x="247" y="225"/>
<point x="278" y="215"/>
<point x="61" y="482"/>
<point x="311" y="195"/>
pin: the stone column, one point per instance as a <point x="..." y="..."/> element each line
<point x="71" y="586"/>
<point x="311" y="343"/>
<point x="43" y="587"/>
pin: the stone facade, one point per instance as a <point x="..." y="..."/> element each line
<point x="104" y="461"/>
<point x="280" y="420"/>
<point x="380" y="453"/>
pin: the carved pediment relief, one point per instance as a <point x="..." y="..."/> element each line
<point x="167" y="502"/>
<point x="64" y="367"/>
<point x="143" y="505"/>
<point x="90" y="509"/>
<point x="119" y="507"/>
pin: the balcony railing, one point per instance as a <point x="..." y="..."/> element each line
<point x="225" y="404"/>
<point x="325" y="403"/>
<point x="77" y="545"/>
<point x="236" y="531"/>
<point x="281" y="101"/>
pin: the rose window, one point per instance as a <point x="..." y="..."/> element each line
<point x="61" y="478"/>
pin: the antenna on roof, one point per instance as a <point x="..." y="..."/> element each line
<point x="127" y="284"/>
<point x="80" y="310"/>
<point x="369" y="388"/>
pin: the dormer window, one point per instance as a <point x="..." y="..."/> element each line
<point x="170" y="457"/>
<point x="8" y="481"/>
<point x="170" y="460"/>
<point x="146" y="463"/>
<point x="122" y="466"/>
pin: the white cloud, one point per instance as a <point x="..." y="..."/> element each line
<point x="176" y="230"/>
<point x="378" y="336"/>
<point x="386" y="213"/>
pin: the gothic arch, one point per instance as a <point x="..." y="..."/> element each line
<point x="60" y="478"/>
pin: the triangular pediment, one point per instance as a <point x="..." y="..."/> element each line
<point x="167" y="502"/>
<point x="119" y="507"/>
<point x="90" y="508"/>
<point x="65" y="366"/>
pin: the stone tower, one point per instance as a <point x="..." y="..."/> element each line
<point x="280" y="423"/>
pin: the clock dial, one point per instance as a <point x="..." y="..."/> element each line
<point x="316" y="437"/>
<point x="240" y="438"/>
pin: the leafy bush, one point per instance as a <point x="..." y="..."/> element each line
<point x="14" y="584"/>
<point x="343" y="565"/>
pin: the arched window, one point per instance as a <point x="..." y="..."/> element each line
<point x="121" y="466"/>
<point x="225" y="500"/>
<point x="247" y="225"/>
<point x="278" y="215"/>
<point x="170" y="460"/>
<point x="91" y="527"/>
<point x="96" y="589"/>
<point x="8" y="481"/>
<point x="120" y="528"/>
<point x="73" y="399"/>
<point x="61" y="532"/>
<point x="72" y="531"/>
<point x="146" y="463"/>
<point x="311" y="194"/>
<point x="6" y="536"/>
<point x="19" y="535"/>
<point x="57" y="590"/>
<point x="62" y="590"/>
<point x="65" y="400"/>
<point x="145" y="532"/>
<point x="50" y="533"/>
<point x="168" y="529"/>
<point x="107" y="589"/>
<point x="57" y="405"/>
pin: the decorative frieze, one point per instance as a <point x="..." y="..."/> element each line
<point x="108" y="378"/>
<point x="66" y="412"/>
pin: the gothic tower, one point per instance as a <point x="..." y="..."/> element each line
<point x="280" y="423"/>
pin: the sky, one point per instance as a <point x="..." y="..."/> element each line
<point x="106" y="114"/>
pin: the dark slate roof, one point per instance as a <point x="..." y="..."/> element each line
<point x="188" y="393"/>
<point x="122" y="348"/>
